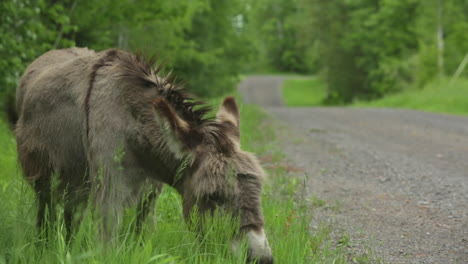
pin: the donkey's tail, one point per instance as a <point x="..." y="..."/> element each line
<point x="12" y="114"/>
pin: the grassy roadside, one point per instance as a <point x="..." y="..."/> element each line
<point x="305" y="91"/>
<point x="167" y="239"/>
<point x="440" y="96"/>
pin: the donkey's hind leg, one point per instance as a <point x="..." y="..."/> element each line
<point x="74" y="209"/>
<point x="46" y="208"/>
<point x="146" y="204"/>
<point x="38" y="173"/>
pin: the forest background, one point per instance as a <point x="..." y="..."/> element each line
<point x="361" y="49"/>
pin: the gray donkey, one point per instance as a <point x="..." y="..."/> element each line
<point x="113" y="131"/>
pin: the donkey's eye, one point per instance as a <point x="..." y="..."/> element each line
<point x="148" y="84"/>
<point x="216" y="198"/>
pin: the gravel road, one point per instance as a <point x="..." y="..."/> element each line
<point x="399" y="177"/>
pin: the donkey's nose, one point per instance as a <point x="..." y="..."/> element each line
<point x="259" y="249"/>
<point x="262" y="260"/>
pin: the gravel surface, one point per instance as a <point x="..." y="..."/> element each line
<point x="397" y="179"/>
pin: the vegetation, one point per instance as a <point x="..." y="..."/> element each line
<point x="197" y="39"/>
<point x="275" y="29"/>
<point x="440" y="96"/>
<point x="363" y="49"/>
<point x="305" y="91"/>
<point x="167" y="239"/>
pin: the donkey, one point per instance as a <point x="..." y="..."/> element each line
<point x="114" y="130"/>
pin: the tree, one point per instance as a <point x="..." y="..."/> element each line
<point x="276" y="27"/>
<point x="27" y="28"/>
<point x="363" y="45"/>
<point x="198" y="39"/>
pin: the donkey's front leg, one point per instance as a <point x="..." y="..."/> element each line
<point x="113" y="193"/>
<point x="109" y="210"/>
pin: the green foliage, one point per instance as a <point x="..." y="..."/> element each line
<point x="203" y="41"/>
<point x="217" y="48"/>
<point x="363" y="45"/>
<point x="383" y="35"/>
<point x="455" y="25"/>
<point x="455" y="22"/>
<point x="363" y="49"/>
<point x="275" y="26"/>
<point x="28" y="28"/>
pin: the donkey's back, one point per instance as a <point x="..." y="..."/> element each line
<point x="47" y="67"/>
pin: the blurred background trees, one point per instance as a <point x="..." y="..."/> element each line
<point x="202" y="41"/>
<point x="362" y="49"/>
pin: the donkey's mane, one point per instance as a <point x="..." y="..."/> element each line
<point x="139" y="68"/>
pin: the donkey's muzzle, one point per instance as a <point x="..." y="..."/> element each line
<point x="259" y="249"/>
<point x="262" y="260"/>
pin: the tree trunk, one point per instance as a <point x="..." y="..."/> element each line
<point x="440" y="38"/>
<point x="60" y="34"/>
<point x="460" y="69"/>
<point x="122" y="40"/>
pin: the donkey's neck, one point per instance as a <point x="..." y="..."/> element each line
<point x="171" y="169"/>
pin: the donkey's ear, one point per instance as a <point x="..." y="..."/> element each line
<point x="229" y="112"/>
<point x="178" y="127"/>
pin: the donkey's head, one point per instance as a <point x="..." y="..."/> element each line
<point x="219" y="176"/>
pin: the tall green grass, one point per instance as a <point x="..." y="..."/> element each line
<point x="166" y="238"/>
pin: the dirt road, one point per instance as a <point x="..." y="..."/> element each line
<point x="399" y="177"/>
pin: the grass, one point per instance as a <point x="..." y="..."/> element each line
<point x="167" y="239"/>
<point x="439" y="96"/>
<point x="305" y="91"/>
